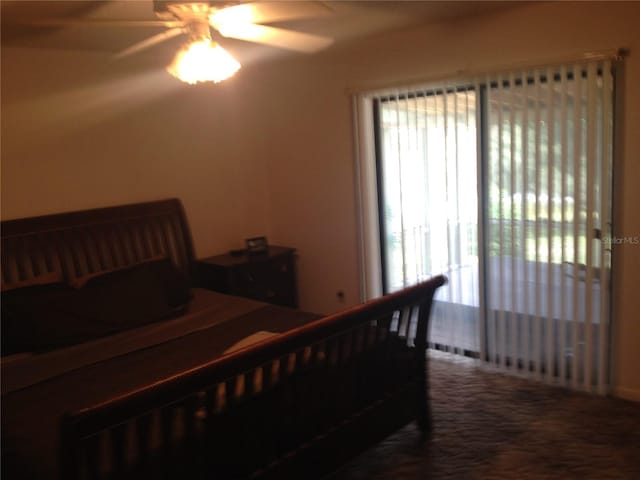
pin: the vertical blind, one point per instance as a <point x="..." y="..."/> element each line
<point x="503" y="184"/>
<point x="548" y="222"/>
<point x="427" y="167"/>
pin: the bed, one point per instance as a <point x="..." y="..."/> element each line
<point x="220" y="387"/>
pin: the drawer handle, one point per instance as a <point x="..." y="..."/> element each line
<point x="284" y="268"/>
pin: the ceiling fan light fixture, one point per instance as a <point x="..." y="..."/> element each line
<point x="203" y="61"/>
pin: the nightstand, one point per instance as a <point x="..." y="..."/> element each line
<point x="269" y="277"/>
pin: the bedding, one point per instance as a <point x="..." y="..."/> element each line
<point x="252" y="339"/>
<point x="43" y="278"/>
<point x="207" y="309"/>
<point x="50" y="316"/>
<point x="88" y="374"/>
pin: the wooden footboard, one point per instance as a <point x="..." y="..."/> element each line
<point x="294" y="406"/>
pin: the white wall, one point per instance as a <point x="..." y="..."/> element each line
<point x="80" y="130"/>
<point x="310" y="138"/>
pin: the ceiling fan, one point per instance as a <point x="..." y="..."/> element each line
<point x="238" y="20"/>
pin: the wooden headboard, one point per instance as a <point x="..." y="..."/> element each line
<point x="90" y="241"/>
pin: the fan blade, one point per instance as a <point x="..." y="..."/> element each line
<point x="150" y="42"/>
<point x="88" y="22"/>
<point x="276" y="37"/>
<point x="268" y="12"/>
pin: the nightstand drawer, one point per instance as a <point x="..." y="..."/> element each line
<point x="269" y="278"/>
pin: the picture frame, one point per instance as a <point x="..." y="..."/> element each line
<point x="257" y="245"/>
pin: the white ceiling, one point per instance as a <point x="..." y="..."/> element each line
<point x="344" y="21"/>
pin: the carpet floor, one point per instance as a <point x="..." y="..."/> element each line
<point x="492" y="426"/>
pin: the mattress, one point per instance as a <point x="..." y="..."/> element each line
<point x="41" y="388"/>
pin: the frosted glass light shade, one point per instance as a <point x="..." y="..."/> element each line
<point x="203" y="61"/>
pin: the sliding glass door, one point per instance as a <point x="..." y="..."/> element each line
<point x="548" y="204"/>
<point x="504" y="186"/>
<point x="429" y="204"/>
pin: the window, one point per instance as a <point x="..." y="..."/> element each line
<point x="503" y="185"/>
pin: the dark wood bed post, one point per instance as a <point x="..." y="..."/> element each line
<point x="423" y="407"/>
<point x="66" y="453"/>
